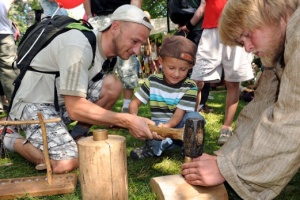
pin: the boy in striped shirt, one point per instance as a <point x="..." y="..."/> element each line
<point x="172" y="95"/>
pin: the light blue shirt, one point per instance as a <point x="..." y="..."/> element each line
<point x="4" y="22"/>
<point x="50" y="7"/>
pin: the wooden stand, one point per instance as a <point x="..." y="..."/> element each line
<point x="39" y="185"/>
<point x="174" y="187"/>
<point x="103" y="167"/>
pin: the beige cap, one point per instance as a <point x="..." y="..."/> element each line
<point x="179" y="47"/>
<point x="129" y="13"/>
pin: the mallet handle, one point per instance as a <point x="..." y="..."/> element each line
<point x="173" y="133"/>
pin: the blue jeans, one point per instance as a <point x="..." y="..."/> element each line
<point x="158" y="146"/>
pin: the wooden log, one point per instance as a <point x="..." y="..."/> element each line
<point x="174" y="187"/>
<point x="103" y="167"/>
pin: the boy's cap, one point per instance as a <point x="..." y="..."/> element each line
<point x="179" y="47"/>
<point x="129" y="13"/>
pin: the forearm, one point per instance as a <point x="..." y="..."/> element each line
<point x="133" y="107"/>
<point x="87" y="7"/>
<point x="138" y="3"/>
<point x="82" y="110"/>
<point x="175" y="119"/>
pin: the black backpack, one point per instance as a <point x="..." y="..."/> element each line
<point x="38" y="36"/>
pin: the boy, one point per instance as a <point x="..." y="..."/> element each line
<point x="172" y="95"/>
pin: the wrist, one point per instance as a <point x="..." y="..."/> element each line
<point x="189" y="26"/>
<point x="89" y="16"/>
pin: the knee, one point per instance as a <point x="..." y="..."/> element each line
<point x="112" y="87"/>
<point x="64" y="166"/>
<point x="200" y="85"/>
<point x="232" y="85"/>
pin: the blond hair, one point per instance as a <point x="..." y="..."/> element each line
<point x="241" y="15"/>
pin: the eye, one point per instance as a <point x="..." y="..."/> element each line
<point x="183" y="69"/>
<point x="241" y="44"/>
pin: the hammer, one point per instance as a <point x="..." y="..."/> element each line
<point x="192" y="136"/>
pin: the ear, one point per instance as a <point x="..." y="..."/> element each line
<point x="115" y="26"/>
<point x="160" y="60"/>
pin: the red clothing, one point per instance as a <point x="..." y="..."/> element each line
<point x="213" y="10"/>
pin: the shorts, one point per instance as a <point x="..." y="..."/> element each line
<point x="99" y="21"/>
<point x="213" y="58"/>
<point x="125" y="68"/>
<point x="60" y="143"/>
<point x="127" y="72"/>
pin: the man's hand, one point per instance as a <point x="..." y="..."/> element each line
<point x="203" y="171"/>
<point x="138" y="127"/>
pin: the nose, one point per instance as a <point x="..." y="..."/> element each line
<point x="248" y="46"/>
<point x="176" y="73"/>
<point x="137" y="49"/>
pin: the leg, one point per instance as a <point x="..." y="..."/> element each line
<point x="62" y="148"/>
<point x="232" y="100"/>
<point x="200" y="85"/>
<point x="129" y="79"/>
<point x="8" y="55"/>
<point x="237" y="68"/>
<point x="36" y="156"/>
<point x="110" y="92"/>
<point x="127" y="93"/>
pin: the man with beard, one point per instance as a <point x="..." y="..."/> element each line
<point x="81" y="97"/>
<point x="262" y="157"/>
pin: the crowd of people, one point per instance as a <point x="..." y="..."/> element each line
<point x="219" y="41"/>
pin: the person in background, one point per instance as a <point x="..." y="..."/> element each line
<point x="8" y="51"/>
<point x="172" y="95"/>
<point x="193" y="31"/>
<point x="213" y="58"/>
<point x="263" y="155"/>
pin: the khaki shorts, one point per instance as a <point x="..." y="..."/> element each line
<point x="213" y="58"/>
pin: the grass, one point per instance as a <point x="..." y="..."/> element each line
<point x="140" y="172"/>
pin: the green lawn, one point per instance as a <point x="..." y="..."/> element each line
<point x="140" y="172"/>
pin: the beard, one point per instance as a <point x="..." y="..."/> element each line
<point x="118" y="49"/>
<point x="274" y="51"/>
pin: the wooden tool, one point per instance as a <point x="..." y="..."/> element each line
<point x="174" y="133"/>
<point x="174" y="187"/>
<point x="192" y="136"/>
<point x="38" y="185"/>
